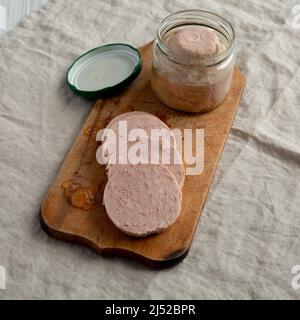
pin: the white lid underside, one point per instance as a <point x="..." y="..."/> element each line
<point x="103" y="67"/>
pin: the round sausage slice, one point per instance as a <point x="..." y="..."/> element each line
<point x="144" y="121"/>
<point x="143" y="199"/>
<point x="123" y="116"/>
<point x="165" y="152"/>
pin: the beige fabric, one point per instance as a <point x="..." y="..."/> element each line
<point x="248" y="238"/>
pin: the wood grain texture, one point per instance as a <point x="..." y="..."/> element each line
<point x="93" y="228"/>
<point x="17" y="10"/>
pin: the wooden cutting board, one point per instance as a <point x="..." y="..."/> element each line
<point x="80" y="170"/>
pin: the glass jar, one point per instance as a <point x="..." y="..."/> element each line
<point x="199" y="84"/>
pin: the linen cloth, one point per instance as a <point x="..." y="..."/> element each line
<point x="248" y="238"/>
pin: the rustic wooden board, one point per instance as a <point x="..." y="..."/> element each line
<point x="93" y="228"/>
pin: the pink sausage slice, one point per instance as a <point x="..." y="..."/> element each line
<point x="123" y="116"/>
<point x="175" y="165"/>
<point x="142" y="200"/>
<point x="141" y="120"/>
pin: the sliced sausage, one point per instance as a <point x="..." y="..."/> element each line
<point x="142" y="120"/>
<point x="143" y="199"/>
<point x="167" y="152"/>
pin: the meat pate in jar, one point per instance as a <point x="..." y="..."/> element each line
<point x="193" y="60"/>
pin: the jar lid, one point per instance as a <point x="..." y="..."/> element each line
<point x="104" y="70"/>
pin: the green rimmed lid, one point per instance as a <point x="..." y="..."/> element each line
<point x="105" y="70"/>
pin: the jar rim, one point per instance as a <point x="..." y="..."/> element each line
<point x="191" y="14"/>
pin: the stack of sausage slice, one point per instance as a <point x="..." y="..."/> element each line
<point x="144" y="198"/>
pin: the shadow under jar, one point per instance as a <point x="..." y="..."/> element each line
<point x="193" y="60"/>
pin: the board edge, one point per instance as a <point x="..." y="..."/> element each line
<point x="170" y="260"/>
